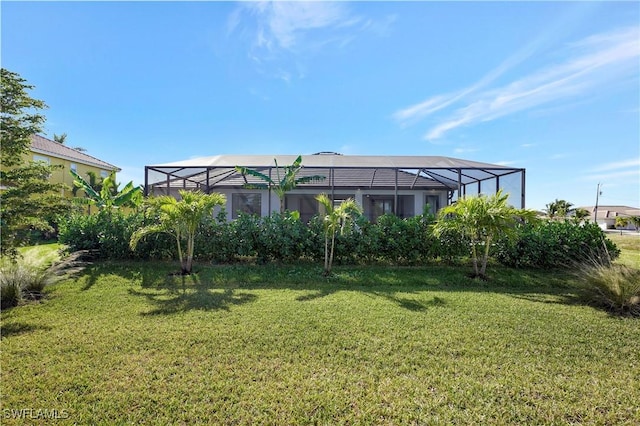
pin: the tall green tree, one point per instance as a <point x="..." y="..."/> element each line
<point x="559" y="209"/>
<point x="285" y="180"/>
<point x="335" y="219"/>
<point x="180" y="218"/>
<point x="481" y="219"/>
<point x="28" y="200"/>
<point x="109" y="196"/>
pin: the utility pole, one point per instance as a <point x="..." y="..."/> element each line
<point x="595" y="215"/>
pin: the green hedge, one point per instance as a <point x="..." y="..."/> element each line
<point x="283" y="238"/>
<point x="555" y="244"/>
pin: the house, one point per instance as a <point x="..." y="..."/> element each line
<point x="54" y="153"/>
<point x="403" y="185"/>
<point x="606" y="215"/>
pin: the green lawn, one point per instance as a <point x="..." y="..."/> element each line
<point x="245" y="344"/>
<point x="629" y="243"/>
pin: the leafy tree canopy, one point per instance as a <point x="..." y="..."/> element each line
<point x="482" y="219"/>
<point x="28" y="200"/>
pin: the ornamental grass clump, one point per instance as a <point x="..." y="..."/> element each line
<point x="27" y="276"/>
<point x="614" y="287"/>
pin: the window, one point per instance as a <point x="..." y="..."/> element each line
<point x="41" y="159"/>
<point x="104" y="174"/>
<point x="305" y="204"/>
<point x="378" y="205"/>
<point x="433" y="201"/>
<point x="250" y="203"/>
<point x="406" y="206"/>
<point x="74" y="167"/>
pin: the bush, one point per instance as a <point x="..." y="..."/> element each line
<point x="615" y="288"/>
<point x="10" y="294"/>
<point x="25" y="278"/>
<point x="281" y="237"/>
<point x="107" y="235"/>
<point x="554" y="244"/>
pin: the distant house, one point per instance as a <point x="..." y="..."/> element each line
<point x="606" y="215"/>
<point x="54" y="153"/>
<point x="402" y="185"/>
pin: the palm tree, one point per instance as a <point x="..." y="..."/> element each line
<point x="559" y="208"/>
<point x="61" y="139"/>
<point x="481" y="219"/>
<point x="335" y="218"/>
<point x="281" y="185"/>
<point x="181" y="219"/>
<point x="109" y="196"/>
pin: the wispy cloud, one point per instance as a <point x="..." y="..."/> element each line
<point x="624" y="169"/>
<point x="592" y="63"/>
<point x="279" y="31"/>
<point x="625" y="174"/>
<point x="283" y="24"/>
<point x="624" y="164"/>
<point x="465" y="150"/>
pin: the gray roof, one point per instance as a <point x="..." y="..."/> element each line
<point x="340" y="170"/>
<point x="332" y="160"/>
<point x="42" y="145"/>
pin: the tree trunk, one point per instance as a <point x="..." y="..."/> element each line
<point x="180" y="256"/>
<point x="333" y="244"/>
<point x="485" y="257"/>
<point x="326" y="253"/>
<point x="474" y="258"/>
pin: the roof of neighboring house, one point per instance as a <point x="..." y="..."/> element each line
<point x="344" y="170"/>
<point x="611" y="212"/>
<point x="42" y="145"/>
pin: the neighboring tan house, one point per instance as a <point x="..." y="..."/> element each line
<point x="402" y="185"/>
<point x="54" y="153"/>
<point x="606" y="217"/>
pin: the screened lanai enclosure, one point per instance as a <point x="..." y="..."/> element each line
<point x="402" y="185"/>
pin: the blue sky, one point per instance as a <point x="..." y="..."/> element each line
<point x="552" y="87"/>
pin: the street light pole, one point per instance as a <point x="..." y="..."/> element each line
<point x="595" y="215"/>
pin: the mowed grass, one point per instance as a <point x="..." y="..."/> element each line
<point x="629" y="244"/>
<point x="126" y="343"/>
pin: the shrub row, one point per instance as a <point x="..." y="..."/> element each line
<point x="283" y="238"/>
<point x="553" y="244"/>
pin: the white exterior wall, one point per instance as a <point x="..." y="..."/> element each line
<point x="359" y="195"/>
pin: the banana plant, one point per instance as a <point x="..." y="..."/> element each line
<point x="110" y="196"/>
<point x="283" y="183"/>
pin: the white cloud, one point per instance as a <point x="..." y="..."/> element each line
<point x="275" y="26"/>
<point x="465" y="150"/>
<point x="592" y="63"/>
<point x="618" y="165"/>
<point x="614" y="175"/>
<point x="284" y="32"/>
<point x="558" y="156"/>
